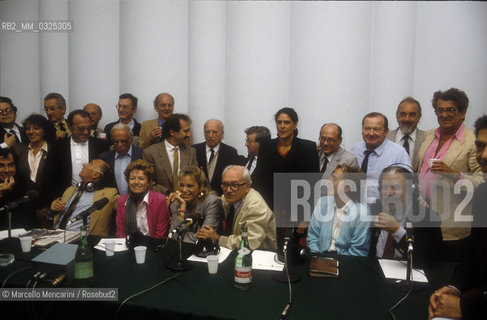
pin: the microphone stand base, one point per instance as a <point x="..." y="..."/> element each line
<point x="179" y="265"/>
<point x="282" y="277"/>
<point x="404" y="285"/>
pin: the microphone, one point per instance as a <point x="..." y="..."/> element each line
<point x="188" y="222"/>
<point x="97" y="205"/>
<point x="31" y="195"/>
<point x="410" y="236"/>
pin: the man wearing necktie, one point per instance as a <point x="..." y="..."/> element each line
<point x="331" y="154"/>
<point x="151" y="130"/>
<point x="172" y="154"/>
<point x="213" y="155"/>
<point x="376" y="153"/>
<point x="242" y="205"/>
<point x="95" y="116"/>
<point x="408" y="134"/>
<point x="10" y="133"/>
<point x="256" y="135"/>
<point x="55" y="108"/>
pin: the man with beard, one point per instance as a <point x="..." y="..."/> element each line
<point x="408" y="135"/>
<point x="397" y="205"/>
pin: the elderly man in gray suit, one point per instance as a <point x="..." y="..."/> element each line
<point x="331" y="154"/>
<point x="172" y="154"/>
<point x="408" y="135"/>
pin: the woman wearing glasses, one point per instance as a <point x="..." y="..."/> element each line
<point x="194" y="200"/>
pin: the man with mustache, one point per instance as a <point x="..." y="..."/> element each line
<point x="408" y="135"/>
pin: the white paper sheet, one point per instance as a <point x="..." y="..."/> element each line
<point x="223" y="255"/>
<point x="15" y="233"/>
<point x="264" y="260"/>
<point x="119" y="244"/>
<point x="394" y="269"/>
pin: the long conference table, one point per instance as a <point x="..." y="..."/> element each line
<point x="360" y="291"/>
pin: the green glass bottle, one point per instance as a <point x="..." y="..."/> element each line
<point x="243" y="263"/>
<point x="83" y="261"/>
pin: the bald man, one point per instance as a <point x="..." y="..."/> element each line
<point x="95" y="113"/>
<point x="213" y="155"/>
<point x="151" y="131"/>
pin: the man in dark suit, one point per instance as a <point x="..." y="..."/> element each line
<point x="10" y="132"/>
<point x="256" y="135"/>
<point x="69" y="155"/>
<point x="172" y="154"/>
<point x="398" y="204"/>
<point x="120" y="157"/>
<point x="466" y="296"/>
<point x="213" y="155"/>
<point x="55" y="108"/>
<point x="331" y="154"/>
<point x="126" y="108"/>
<point x="408" y="135"/>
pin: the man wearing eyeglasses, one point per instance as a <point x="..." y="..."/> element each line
<point x="10" y="133"/>
<point x="55" y="108"/>
<point x="126" y="108"/>
<point x="69" y="155"/>
<point x="408" y="134"/>
<point x="376" y="153"/>
<point x="242" y="205"/>
<point x="121" y="156"/>
<point x="447" y="158"/>
<point x="330" y="153"/>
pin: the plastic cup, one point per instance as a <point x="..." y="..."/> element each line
<point x="140" y="254"/>
<point x="110" y="248"/>
<point x="26" y="243"/>
<point x="212" y="264"/>
<point x="433" y="160"/>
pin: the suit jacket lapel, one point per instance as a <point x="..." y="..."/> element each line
<point x="453" y="151"/>
<point x="95" y="215"/>
<point x="166" y="165"/>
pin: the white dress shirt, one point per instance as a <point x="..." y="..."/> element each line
<point x="79" y="156"/>
<point x="35" y="159"/>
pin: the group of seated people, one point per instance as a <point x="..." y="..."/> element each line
<point x="155" y="180"/>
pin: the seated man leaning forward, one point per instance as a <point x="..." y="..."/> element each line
<point x="242" y="205"/>
<point x="77" y="199"/>
<point x="339" y="221"/>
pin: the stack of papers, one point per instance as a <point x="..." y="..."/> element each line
<point x="395" y="269"/>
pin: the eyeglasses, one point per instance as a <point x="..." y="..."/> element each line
<point x="6" y="111"/>
<point x="123" y="141"/>
<point x="449" y="111"/>
<point x="330" y="140"/>
<point x="82" y="129"/>
<point x="234" y="186"/>
<point x="250" y="141"/>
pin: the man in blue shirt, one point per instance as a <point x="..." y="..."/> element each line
<point x="376" y="153"/>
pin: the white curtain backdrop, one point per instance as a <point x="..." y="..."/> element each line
<point x="240" y="61"/>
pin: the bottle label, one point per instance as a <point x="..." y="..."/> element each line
<point x="244" y="251"/>
<point x="243" y="274"/>
<point x="83" y="270"/>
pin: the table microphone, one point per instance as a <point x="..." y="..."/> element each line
<point x="31" y="195"/>
<point x="97" y="205"/>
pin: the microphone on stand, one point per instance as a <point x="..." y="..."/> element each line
<point x="97" y="205"/>
<point x="410" y="241"/>
<point x="31" y="195"/>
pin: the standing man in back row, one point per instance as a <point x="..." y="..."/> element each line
<point x="376" y="153"/>
<point x="126" y="108"/>
<point x="213" y="155"/>
<point x="151" y="131"/>
<point x="331" y="154"/>
<point x="408" y="135"/>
